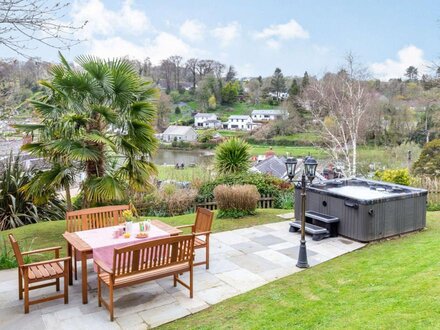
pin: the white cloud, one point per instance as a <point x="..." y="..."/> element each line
<point x="159" y="48"/>
<point x="407" y="56"/>
<point x="227" y="33"/>
<point x="287" y="31"/>
<point x="102" y="21"/>
<point x="272" y="43"/>
<point x="192" y="30"/>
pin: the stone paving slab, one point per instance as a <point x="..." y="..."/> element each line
<point x="241" y="260"/>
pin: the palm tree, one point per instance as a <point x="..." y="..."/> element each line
<point x="232" y="156"/>
<point x="98" y="120"/>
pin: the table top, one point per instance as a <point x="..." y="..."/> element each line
<point x="82" y="246"/>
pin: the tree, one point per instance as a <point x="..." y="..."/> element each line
<point x="338" y="104"/>
<point x="208" y="86"/>
<point x="97" y="119"/>
<point x="176" y="60"/>
<point x="305" y="80"/>
<point x="164" y="108"/>
<point x="230" y="92"/>
<point x="191" y="68"/>
<point x="167" y="68"/>
<point x="412" y="73"/>
<point x="232" y="156"/>
<point x="278" y="83"/>
<point x="24" y="21"/>
<point x="254" y="91"/>
<point x="294" y="89"/>
<point x="428" y="163"/>
<point x="231" y="74"/>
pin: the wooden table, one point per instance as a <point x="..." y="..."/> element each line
<point x="73" y="241"/>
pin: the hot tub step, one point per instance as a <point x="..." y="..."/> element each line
<point x="318" y="233"/>
<point x="326" y="221"/>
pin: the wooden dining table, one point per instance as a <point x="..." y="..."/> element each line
<point x="74" y="242"/>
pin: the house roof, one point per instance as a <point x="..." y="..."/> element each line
<point x="272" y="165"/>
<point x="178" y="130"/>
<point x="214" y="121"/>
<point x="205" y="115"/>
<point x="239" y="117"/>
<point x="269" y="112"/>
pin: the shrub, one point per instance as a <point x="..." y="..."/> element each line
<point x="398" y="176"/>
<point x="232" y="156"/>
<point x="168" y="201"/>
<point x="18" y="208"/>
<point x="177" y="111"/>
<point x="428" y="163"/>
<point x="236" y="200"/>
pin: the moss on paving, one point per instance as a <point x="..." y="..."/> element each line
<point x="394" y="284"/>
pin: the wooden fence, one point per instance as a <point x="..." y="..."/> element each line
<point x="433" y="187"/>
<point x="265" y="202"/>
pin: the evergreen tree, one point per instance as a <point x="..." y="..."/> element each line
<point x="305" y="81"/>
<point x="278" y="82"/>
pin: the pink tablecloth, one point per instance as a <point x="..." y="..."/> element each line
<point x="103" y="244"/>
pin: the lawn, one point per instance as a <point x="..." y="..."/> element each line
<point x="188" y="174"/>
<point x="46" y="234"/>
<point x="291" y="151"/>
<point x="393" y="284"/>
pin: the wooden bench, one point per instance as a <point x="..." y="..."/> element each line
<point x="93" y="218"/>
<point x="147" y="261"/>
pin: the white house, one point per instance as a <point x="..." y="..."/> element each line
<point x="179" y="133"/>
<point x="270" y="114"/>
<point x="237" y="122"/>
<point x="201" y="118"/>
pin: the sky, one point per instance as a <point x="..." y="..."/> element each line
<point x="256" y="36"/>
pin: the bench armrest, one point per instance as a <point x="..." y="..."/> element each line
<point x="103" y="266"/>
<point x="40" y="263"/>
<point x="202" y="233"/>
<point x="184" y="226"/>
<point x="54" y="248"/>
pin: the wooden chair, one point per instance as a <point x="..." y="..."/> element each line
<point x="202" y="227"/>
<point x="42" y="271"/>
<point x="93" y="218"/>
<point x="147" y="261"/>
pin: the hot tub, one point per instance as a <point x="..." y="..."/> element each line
<point x="367" y="210"/>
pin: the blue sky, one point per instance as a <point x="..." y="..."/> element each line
<point x="257" y="36"/>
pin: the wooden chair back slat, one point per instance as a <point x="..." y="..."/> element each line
<point x="203" y="220"/>
<point x="153" y="255"/>
<point x="16" y="250"/>
<point x="94" y="218"/>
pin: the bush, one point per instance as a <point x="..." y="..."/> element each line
<point x="168" y="201"/>
<point x="177" y="111"/>
<point x="18" y="208"/>
<point x="398" y="176"/>
<point x="232" y="156"/>
<point x="236" y="201"/>
<point x="428" y="163"/>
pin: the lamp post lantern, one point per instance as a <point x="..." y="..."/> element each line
<point x="309" y="172"/>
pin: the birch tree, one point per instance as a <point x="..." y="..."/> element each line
<point x="339" y="104"/>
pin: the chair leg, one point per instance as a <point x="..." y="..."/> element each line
<point x="57" y="285"/>
<point x="26" y="295"/>
<point x="20" y="285"/>
<point x="99" y="292"/>
<point x="175" y="280"/>
<point x="111" y="303"/>
<point x="75" y="265"/>
<point x="207" y="256"/>
<point x="191" y="282"/>
<point x="66" y="287"/>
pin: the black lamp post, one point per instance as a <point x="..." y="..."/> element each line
<point x="309" y="171"/>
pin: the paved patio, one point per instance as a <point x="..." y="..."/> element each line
<point x="241" y="260"/>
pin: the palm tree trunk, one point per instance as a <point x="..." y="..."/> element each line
<point x="68" y="197"/>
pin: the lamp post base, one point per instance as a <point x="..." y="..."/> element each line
<point x="302" y="257"/>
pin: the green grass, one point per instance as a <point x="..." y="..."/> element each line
<point x="292" y="151"/>
<point x="306" y="136"/>
<point x="46" y="234"/>
<point x="188" y="174"/>
<point x="388" y="285"/>
<point x="227" y="133"/>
